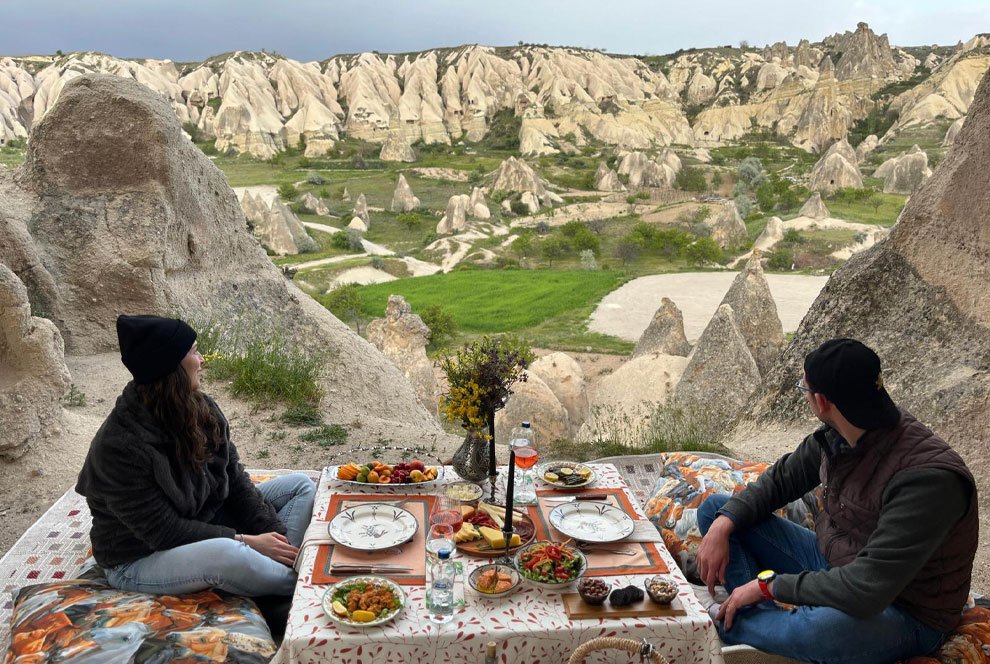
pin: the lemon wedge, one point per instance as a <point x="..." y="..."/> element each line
<point x="551" y="477"/>
<point x="584" y="472"/>
<point x="339" y="608"/>
<point x="363" y="616"/>
<point x="566" y="471"/>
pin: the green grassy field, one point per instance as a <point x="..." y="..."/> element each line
<point x="489" y="301"/>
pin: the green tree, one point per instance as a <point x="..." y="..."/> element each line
<point x="703" y="250"/>
<point x="875" y="201"/>
<point x="408" y="219"/>
<point x="627" y="249"/>
<point x="345" y="303"/>
<point x="586" y="240"/>
<point x="288" y="192"/>
<point x="441" y="323"/>
<point x="691" y="179"/>
<point x="522" y="246"/>
<point x="554" y="247"/>
<point x="716" y="180"/>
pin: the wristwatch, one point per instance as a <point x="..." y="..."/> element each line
<point x="765" y="578"/>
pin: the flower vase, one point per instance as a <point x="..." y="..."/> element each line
<point x="471" y="458"/>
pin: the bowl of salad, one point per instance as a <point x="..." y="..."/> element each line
<point x="550" y="565"/>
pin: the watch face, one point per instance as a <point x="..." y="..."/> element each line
<point x="766" y="575"/>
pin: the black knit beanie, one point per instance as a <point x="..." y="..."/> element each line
<point x="152" y="346"/>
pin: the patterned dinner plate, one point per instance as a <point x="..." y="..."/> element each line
<point x="373" y="527"/>
<point x="591" y="522"/>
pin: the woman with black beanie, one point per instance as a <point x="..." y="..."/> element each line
<point x="173" y="509"/>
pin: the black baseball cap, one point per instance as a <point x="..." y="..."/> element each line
<point x="847" y="373"/>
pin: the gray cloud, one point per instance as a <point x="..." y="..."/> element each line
<point x="186" y="30"/>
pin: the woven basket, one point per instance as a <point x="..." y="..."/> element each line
<point x="642" y="648"/>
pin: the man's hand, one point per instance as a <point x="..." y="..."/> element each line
<point x="713" y="554"/>
<point x="273" y="545"/>
<point x="740" y="598"/>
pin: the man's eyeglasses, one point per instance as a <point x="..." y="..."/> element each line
<point x="802" y="387"/>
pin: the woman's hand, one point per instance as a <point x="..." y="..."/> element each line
<point x="273" y="545"/>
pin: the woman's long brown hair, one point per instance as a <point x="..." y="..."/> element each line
<point x="185" y="415"/>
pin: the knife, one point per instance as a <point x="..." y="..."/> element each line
<point x="585" y="496"/>
<point x="361" y="567"/>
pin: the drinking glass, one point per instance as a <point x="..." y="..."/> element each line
<point x="526" y="457"/>
<point x="447" y="511"/>
<point x="440" y="537"/>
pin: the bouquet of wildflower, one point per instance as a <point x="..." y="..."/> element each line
<point x="481" y="376"/>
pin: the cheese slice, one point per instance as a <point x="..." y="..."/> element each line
<point x="466" y="533"/>
<point x="496" y="539"/>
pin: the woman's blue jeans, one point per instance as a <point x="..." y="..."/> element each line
<point x="812" y="633"/>
<point x="226" y="563"/>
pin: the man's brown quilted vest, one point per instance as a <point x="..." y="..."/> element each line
<point x="853" y="486"/>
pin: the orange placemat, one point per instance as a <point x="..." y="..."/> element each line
<point x="411" y="554"/>
<point x="646" y="561"/>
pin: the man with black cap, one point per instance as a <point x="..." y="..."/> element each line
<point x="887" y="571"/>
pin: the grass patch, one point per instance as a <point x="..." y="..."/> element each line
<point x="302" y="415"/>
<point x="863" y="211"/>
<point x="497" y="301"/>
<point x="327" y="435"/>
<point x="260" y="366"/>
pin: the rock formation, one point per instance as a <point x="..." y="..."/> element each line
<point x="402" y="337"/>
<point x="772" y="233"/>
<point x="314" y="204"/>
<point x="33" y="375"/>
<point x="921" y="300"/>
<point x="626" y="399"/>
<point x="563" y="375"/>
<point x="721" y="373"/>
<point x="836" y="169"/>
<point x="814" y="208"/>
<point x="664" y="334"/>
<point x="361" y="221"/>
<point x="136" y="219"/>
<point x="455" y="216"/>
<point x="516" y="175"/>
<point x="727" y="227"/>
<point x="904" y="174"/>
<point x="606" y="179"/>
<point x="864" y="55"/>
<point x="533" y="401"/>
<point x="868" y="145"/>
<point x="403" y="199"/>
<point x="396" y="148"/>
<point x="646" y="172"/>
<point x="953" y="131"/>
<point x="283" y="232"/>
<point x="477" y="207"/>
<point x="755" y="313"/>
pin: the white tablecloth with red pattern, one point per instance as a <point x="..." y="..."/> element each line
<point x="529" y="626"/>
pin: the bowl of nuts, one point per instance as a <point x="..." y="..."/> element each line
<point x="593" y="591"/>
<point x="661" y="589"/>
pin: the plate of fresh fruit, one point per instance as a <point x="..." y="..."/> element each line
<point x="481" y="531"/>
<point x="384" y="474"/>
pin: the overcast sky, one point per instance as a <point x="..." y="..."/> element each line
<point x="192" y="30"/>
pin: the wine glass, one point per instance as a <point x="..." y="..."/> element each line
<point x="447" y="511"/>
<point x="526" y="457"/>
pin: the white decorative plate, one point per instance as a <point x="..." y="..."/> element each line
<point x="373" y="527"/>
<point x="591" y="522"/>
<point x="355" y="583"/>
<point x="578" y="481"/>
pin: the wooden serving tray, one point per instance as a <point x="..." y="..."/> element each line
<point x="471" y="548"/>
<point x="577" y="608"/>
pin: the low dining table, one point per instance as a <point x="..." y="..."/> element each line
<point x="529" y="625"/>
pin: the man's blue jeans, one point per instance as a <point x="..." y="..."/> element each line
<point x="811" y="633"/>
<point x="226" y="563"/>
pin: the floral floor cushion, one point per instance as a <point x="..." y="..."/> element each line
<point x="687" y="479"/>
<point x="968" y="644"/>
<point x="82" y="621"/>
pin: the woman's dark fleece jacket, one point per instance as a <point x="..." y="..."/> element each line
<point x="142" y="501"/>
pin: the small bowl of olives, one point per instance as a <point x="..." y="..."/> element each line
<point x="593" y="591"/>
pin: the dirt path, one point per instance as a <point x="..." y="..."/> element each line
<point x="626" y="312"/>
